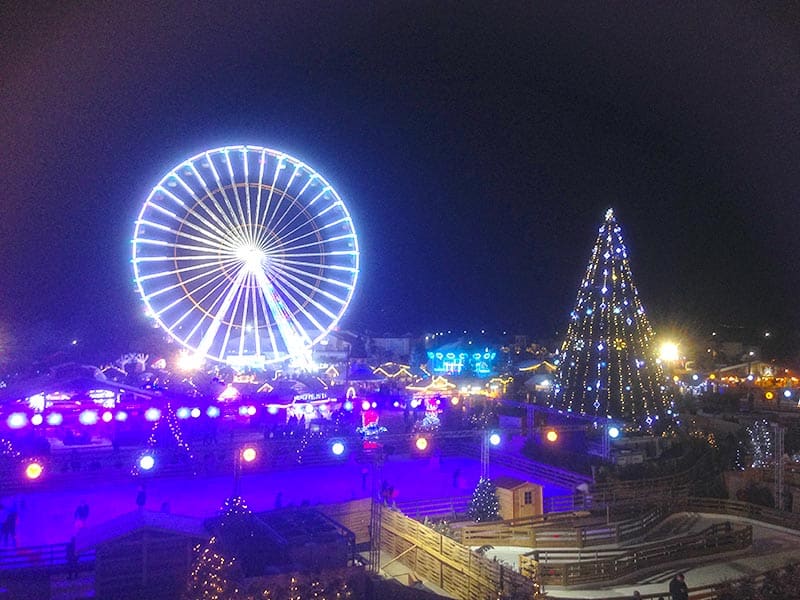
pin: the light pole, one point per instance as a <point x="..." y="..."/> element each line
<point x="247" y="454"/>
<point x="488" y="439"/>
<point x="779" y="431"/>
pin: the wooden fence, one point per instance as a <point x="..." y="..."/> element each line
<point x="447" y="564"/>
<point x="571" y="568"/>
<point x="565" y="530"/>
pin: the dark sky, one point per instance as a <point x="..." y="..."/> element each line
<point x="477" y="146"/>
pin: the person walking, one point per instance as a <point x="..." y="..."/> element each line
<point x="678" y="589"/>
<point x="72" y="560"/>
<point x="141" y="497"/>
<point x="81" y="514"/>
<point x="9" y="527"/>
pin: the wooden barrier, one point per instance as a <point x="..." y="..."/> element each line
<point x="566" y="530"/>
<point x="559" y="567"/>
<point x="449" y="565"/>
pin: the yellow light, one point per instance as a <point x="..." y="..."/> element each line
<point x="669" y="352"/>
<point x="249" y="454"/>
<point x="421" y="444"/>
<point x="769" y="395"/>
<point x="33" y="470"/>
<point x="552" y="435"/>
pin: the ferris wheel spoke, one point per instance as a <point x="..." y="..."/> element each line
<point x="316" y="243"/>
<point x="294" y="337"/>
<point x="248" y="202"/>
<point x="230" y="214"/>
<point x="261" y="164"/>
<point x="210" y="268"/>
<point x="204" y="314"/>
<point x="285" y="285"/>
<point x="162" y="243"/>
<point x="216" y="320"/>
<point x="208" y="241"/>
<point x="256" y="334"/>
<point x="212" y="228"/>
<point x="323" y="254"/>
<point x="146" y="259"/>
<point x="281" y="198"/>
<point x="245" y="224"/>
<point x="276" y="227"/>
<point x="173" y="272"/>
<point x="245" y="307"/>
<point x="223" y="230"/>
<point x="315" y="276"/>
<point x="310" y="218"/>
<point x="220" y="276"/>
<point x="300" y="263"/>
<point x="262" y="219"/>
<point x="233" y="313"/>
<point x="284" y="273"/>
<point x="313" y="231"/>
<point x="266" y="312"/>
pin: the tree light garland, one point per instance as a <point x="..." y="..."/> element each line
<point x="607" y="364"/>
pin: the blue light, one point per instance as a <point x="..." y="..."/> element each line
<point x="152" y="414"/>
<point x="17" y="420"/>
<point x="55" y="419"/>
<point x="212" y="412"/>
<point x="182" y="413"/>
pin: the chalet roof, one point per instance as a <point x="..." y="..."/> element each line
<point x="509" y="483"/>
<point x="123" y="525"/>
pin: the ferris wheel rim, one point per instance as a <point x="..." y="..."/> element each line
<point x="293" y="272"/>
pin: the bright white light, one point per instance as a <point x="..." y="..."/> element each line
<point x="54" y="419"/>
<point x="121" y="416"/>
<point x="152" y="414"/>
<point x="212" y="412"/>
<point x="273" y="409"/>
<point x="189" y="362"/>
<point x="348" y="405"/>
<point x="87" y="417"/>
<point x="229" y="393"/>
<point x="786" y="394"/>
<point x="36" y="419"/>
<point x="251" y="410"/>
<point x="613" y="432"/>
<point x="669" y="352"/>
<point x="182" y="413"/>
<point x="365" y="405"/>
<point x="107" y="416"/>
<point x="195" y="412"/>
<point x="147" y="462"/>
<point x="337" y="448"/>
<point x="494" y="439"/>
<point x="252" y="257"/>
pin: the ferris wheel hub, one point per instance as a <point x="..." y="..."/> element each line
<point x="252" y="257"/>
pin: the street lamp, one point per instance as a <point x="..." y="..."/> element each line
<point x="247" y="454"/>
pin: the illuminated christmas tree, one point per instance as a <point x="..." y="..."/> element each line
<point x="607" y="364"/>
<point x="484" y="505"/>
<point x="165" y="439"/>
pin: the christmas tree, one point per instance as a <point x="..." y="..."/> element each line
<point x="166" y="441"/>
<point x="484" y="505"/>
<point x="607" y="365"/>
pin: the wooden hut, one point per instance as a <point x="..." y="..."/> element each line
<point x="518" y="498"/>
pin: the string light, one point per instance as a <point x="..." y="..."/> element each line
<point x="608" y="366"/>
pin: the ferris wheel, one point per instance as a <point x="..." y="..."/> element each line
<point x="246" y="256"/>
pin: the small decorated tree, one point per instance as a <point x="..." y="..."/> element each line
<point x="484" y="505"/>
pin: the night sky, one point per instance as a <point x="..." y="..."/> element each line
<point x="477" y="146"/>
